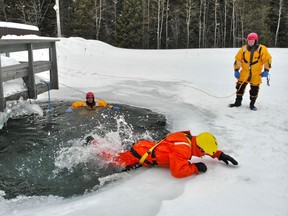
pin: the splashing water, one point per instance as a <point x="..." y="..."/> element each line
<point x="78" y="153"/>
<point x="49" y="152"/>
<point x="112" y="143"/>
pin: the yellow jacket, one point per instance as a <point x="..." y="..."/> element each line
<point x="251" y="69"/>
<point x="99" y="103"/>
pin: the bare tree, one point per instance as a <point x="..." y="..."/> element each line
<point x="215" y="23"/>
<point x="225" y="23"/>
<point x="148" y="15"/>
<point x="233" y="23"/>
<point x="166" y="23"/>
<point x="279" y="19"/>
<point x="200" y="24"/>
<point x="98" y="16"/>
<point x="36" y="11"/>
<point x="146" y="23"/>
<point x="160" y="16"/>
<point x="242" y="26"/>
<point x="22" y="10"/>
<point x="188" y="6"/>
<point x="175" y="26"/>
<point x="3" y="7"/>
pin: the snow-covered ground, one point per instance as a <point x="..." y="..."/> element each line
<point x="192" y="87"/>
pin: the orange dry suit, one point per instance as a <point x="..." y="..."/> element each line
<point x="78" y="104"/>
<point x="251" y="63"/>
<point x="174" y="152"/>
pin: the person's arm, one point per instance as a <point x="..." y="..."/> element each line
<point x="101" y="103"/>
<point x="179" y="162"/>
<point x="238" y="59"/>
<point x="266" y="58"/>
<point x="224" y="157"/>
<point x="75" y="105"/>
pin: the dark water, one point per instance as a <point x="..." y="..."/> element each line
<point x="44" y="155"/>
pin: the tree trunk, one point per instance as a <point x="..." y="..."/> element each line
<point x="204" y="24"/>
<point x="215" y="23"/>
<point x="200" y="24"/>
<point x="167" y="24"/>
<point x="160" y="12"/>
<point x="98" y="16"/>
<point x="225" y="23"/>
<point x="3" y="6"/>
<point x="188" y="20"/>
<point x="233" y="23"/>
<point x="279" y="19"/>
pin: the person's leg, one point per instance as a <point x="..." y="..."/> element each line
<point x="254" y="90"/>
<point x="240" y="90"/>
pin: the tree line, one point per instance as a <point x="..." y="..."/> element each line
<point x="157" y="24"/>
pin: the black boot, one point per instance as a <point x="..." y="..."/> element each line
<point x="237" y="103"/>
<point x="252" y="105"/>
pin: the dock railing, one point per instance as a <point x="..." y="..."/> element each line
<point x="27" y="70"/>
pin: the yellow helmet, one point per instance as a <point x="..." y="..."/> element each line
<point x="207" y="142"/>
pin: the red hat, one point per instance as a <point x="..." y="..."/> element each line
<point x="89" y="95"/>
<point x="252" y="36"/>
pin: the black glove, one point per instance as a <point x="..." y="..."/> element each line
<point x="227" y="158"/>
<point x="201" y="167"/>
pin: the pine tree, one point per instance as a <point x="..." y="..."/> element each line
<point x="66" y="16"/>
<point x="83" y="22"/>
<point x="129" y="29"/>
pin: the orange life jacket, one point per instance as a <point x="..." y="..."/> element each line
<point x="174" y="152"/>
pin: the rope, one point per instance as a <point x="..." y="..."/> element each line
<point x="43" y="80"/>
<point x="211" y="95"/>
<point x="73" y="88"/>
<point x="49" y="98"/>
<point x="198" y="89"/>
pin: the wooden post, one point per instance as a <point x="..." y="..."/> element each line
<point x="27" y="70"/>
<point x="2" y="99"/>
<point x="31" y="74"/>
<point x="54" y="71"/>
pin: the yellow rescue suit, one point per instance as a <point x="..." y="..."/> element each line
<point x="78" y="104"/>
<point x="252" y="63"/>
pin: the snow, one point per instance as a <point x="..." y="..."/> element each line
<point x="18" y="26"/>
<point x="192" y="87"/>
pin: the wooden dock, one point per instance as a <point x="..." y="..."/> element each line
<point x="27" y="70"/>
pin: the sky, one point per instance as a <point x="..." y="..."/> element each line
<point x="192" y="88"/>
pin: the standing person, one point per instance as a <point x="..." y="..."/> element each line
<point x="250" y="60"/>
<point x="174" y="152"/>
<point x="89" y="104"/>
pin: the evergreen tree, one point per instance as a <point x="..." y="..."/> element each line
<point x="135" y="23"/>
<point x="129" y="29"/>
<point x="257" y="21"/>
<point x="83" y="23"/>
<point x="66" y="16"/>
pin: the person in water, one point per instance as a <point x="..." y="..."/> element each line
<point x="174" y="151"/>
<point x="89" y="104"/>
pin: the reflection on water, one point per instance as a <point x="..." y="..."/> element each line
<point x="44" y="155"/>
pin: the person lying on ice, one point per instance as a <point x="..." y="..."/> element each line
<point x="174" y="151"/>
<point x="89" y="104"/>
